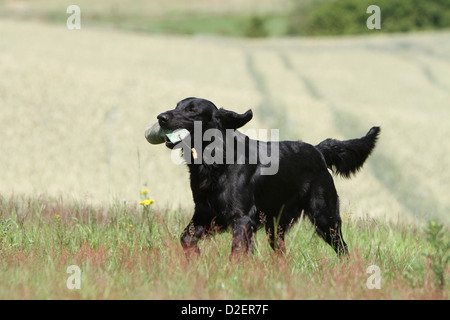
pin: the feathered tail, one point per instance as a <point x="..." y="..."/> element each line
<point x="348" y="156"/>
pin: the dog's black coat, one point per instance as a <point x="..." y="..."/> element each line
<point x="240" y="197"/>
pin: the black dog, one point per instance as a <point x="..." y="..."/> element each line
<point x="239" y="195"/>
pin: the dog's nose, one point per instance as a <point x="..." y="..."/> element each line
<point x="163" y="117"/>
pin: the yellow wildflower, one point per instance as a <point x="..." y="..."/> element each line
<point x="144" y="192"/>
<point x="57" y="216"/>
<point x="146" y="202"/>
<point x="346" y="216"/>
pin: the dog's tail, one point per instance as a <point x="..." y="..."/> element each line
<point x="347" y="157"/>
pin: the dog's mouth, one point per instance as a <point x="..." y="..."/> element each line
<point x="155" y="134"/>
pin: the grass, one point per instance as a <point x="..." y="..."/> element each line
<point x="126" y="252"/>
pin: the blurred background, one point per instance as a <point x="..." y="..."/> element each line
<point x="240" y="18"/>
<point x="75" y="103"/>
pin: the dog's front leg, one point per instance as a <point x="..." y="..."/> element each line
<point x="243" y="232"/>
<point x="190" y="237"/>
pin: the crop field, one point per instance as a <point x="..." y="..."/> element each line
<point x="74" y="105"/>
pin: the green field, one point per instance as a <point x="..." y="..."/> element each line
<point x="73" y="160"/>
<point x="129" y="252"/>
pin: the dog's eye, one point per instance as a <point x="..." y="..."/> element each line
<point x="190" y="109"/>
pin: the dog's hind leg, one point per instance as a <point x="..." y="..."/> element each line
<point x="244" y="228"/>
<point x="278" y="225"/>
<point x="330" y="231"/>
<point x="276" y="233"/>
<point x="323" y="211"/>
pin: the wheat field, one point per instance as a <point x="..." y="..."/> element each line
<point x="75" y="104"/>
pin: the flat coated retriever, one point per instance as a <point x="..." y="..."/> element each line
<point x="236" y="193"/>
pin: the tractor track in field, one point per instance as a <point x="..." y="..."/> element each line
<point x="271" y="111"/>
<point x="418" y="200"/>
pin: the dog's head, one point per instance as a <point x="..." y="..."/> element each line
<point x="190" y="110"/>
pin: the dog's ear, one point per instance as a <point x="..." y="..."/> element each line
<point x="227" y="119"/>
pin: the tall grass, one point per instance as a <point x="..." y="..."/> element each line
<point x="123" y="253"/>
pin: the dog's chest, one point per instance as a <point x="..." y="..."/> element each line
<point x="205" y="178"/>
<point x="212" y="187"/>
